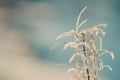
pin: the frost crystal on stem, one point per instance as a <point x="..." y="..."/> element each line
<point x="88" y="55"/>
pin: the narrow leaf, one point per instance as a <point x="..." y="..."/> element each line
<point x="69" y="44"/>
<point x="109" y="67"/>
<point x="72" y="57"/>
<point x="70" y="33"/>
<point x="71" y="70"/>
<point x="78" y="19"/>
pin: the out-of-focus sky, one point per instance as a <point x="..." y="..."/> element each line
<point x="28" y="28"/>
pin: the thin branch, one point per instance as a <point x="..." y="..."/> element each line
<point x="86" y="56"/>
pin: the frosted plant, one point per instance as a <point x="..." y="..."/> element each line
<point x="88" y="55"/>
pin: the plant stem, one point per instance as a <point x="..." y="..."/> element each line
<point x="86" y="56"/>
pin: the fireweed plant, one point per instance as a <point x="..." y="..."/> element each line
<point x="88" y="55"/>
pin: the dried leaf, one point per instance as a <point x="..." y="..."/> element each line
<point x="100" y="43"/>
<point x="101" y="25"/>
<point x="71" y="70"/>
<point x="109" y="67"/>
<point x="70" y="33"/>
<point x="78" y="19"/>
<point x="72" y="57"/>
<point x="69" y="44"/>
<point x="83" y="22"/>
<point x="107" y="52"/>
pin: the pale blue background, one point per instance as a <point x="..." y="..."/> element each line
<point x="43" y="20"/>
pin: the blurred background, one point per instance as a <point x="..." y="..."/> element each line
<point x="28" y="29"/>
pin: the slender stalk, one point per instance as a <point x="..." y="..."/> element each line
<point x="86" y="63"/>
